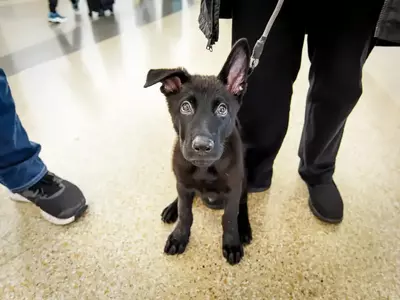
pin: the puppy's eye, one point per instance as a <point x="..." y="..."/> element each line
<point x="222" y="110"/>
<point x="186" y="108"/>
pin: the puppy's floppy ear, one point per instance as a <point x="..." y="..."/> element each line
<point x="235" y="70"/>
<point x="171" y="79"/>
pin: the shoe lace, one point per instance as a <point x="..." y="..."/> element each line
<point x="46" y="186"/>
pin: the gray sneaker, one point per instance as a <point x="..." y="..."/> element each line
<point x="61" y="202"/>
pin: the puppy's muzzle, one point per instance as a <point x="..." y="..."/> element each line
<point x="202" y="145"/>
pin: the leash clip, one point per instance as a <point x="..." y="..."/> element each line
<point x="254" y="62"/>
<point x="209" y="46"/>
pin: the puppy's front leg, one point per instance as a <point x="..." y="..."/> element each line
<point x="231" y="245"/>
<point x="179" y="238"/>
<point x="245" y="232"/>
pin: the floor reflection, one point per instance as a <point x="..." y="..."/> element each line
<point x="85" y="31"/>
<point x="147" y="11"/>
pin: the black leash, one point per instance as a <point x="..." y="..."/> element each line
<point x="259" y="46"/>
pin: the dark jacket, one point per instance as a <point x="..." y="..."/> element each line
<point x="210" y="13"/>
<point x="388" y="28"/>
<point x="387" y="31"/>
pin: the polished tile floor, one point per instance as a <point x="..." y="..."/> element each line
<point x="79" y="92"/>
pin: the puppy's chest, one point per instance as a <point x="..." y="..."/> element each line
<point x="208" y="181"/>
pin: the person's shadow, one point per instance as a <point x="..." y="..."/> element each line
<point x="66" y="46"/>
<point x="102" y="29"/>
<point x="105" y="28"/>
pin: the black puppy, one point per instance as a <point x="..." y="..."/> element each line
<point x="208" y="155"/>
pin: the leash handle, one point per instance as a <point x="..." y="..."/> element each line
<point x="259" y="46"/>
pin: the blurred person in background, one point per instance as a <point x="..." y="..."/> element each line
<point x="54" y="16"/>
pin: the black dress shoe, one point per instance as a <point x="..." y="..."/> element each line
<point x="261" y="184"/>
<point x="326" y="202"/>
<point x="251" y="188"/>
<point x="258" y="189"/>
<point x="213" y="204"/>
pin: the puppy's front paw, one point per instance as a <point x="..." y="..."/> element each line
<point x="170" y="213"/>
<point x="175" y="245"/>
<point x="233" y="253"/>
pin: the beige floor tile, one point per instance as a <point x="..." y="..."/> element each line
<point x="101" y="129"/>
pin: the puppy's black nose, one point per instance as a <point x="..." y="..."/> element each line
<point x="202" y="144"/>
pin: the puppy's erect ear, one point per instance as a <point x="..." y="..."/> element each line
<point x="171" y="79"/>
<point x="235" y="70"/>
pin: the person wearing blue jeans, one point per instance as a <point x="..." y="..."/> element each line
<point x="25" y="174"/>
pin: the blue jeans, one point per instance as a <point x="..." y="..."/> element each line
<point x="20" y="165"/>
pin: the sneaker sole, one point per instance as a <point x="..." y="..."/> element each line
<point x="57" y="20"/>
<point x="322" y="218"/>
<point x="48" y="217"/>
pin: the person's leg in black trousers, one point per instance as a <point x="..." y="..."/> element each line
<point x="54" y="16"/>
<point x="339" y="45"/>
<point x="264" y="114"/>
<point x="337" y="51"/>
<point x="53" y="5"/>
